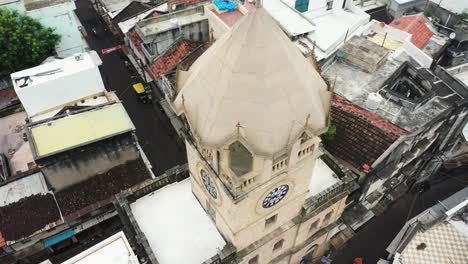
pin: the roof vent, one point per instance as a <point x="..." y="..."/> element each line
<point x="397" y="22"/>
<point x="79" y="57"/>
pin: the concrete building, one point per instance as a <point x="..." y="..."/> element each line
<point x="56" y="14"/>
<point x="258" y="191"/>
<point x="401" y="114"/>
<point x="398" y="8"/>
<point x="68" y="154"/>
<point x="319" y="26"/>
<point x="59" y="83"/>
<point x="439" y="234"/>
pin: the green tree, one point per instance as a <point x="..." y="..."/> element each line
<point x="24" y="42"/>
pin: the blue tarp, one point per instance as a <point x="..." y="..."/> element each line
<point x="58" y="237"/>
<point x="225" y="5"/>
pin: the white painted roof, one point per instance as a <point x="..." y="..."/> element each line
<point x="288" y="18"/>
<point x="254" y="76"/>
<point x="177" y="228"/>
<point x="322" y="178"/>
<point x="455" y="6"/>
<point x="22" y="188"/>
<point x="115" y="250"/>
<point x="59" y="82"/>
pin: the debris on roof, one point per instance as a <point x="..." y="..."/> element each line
<point x="173" y="56"/>
<point x="27" y="216"/>
<point x="363" y="53"/>
<point x="361" y="136"/>
<point x="415" y="25"/>
<point x="7" y="97"/>
<point x="21" y="188"/>
<point x="102" y="186"/>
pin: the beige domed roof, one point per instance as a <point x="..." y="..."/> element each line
<point x="254" y="76"/>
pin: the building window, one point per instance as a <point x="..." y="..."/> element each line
<point x="329" y="4"/>
<point x="271" y="220"/>
<point x="254" y="260"/>
<point x="302" y="5"/>
<point x="278" y="245"/>
<point x="304" y="137"/>
<point x="240" y="159"/>
<point x="314" y="226"/>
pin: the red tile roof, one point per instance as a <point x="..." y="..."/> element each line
<point x="415" y="25"/>
<point x="249" y="6"/>
<point x="361" y="136"/>
<point x="229" y="18"/>
<point x="172" y="57"/>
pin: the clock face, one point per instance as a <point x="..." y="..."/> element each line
<point x="275" y="196"/>
<point x="209" y="184"/>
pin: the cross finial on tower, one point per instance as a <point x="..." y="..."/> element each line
<point x="238" y="127"/>
<point x="307" y="120"/>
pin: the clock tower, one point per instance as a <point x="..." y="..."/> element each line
<point x="254" y="107"/>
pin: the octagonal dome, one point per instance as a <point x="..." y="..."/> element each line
<point x="255" y="82"/>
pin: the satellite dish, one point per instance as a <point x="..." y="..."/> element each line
<point x="452" y="35"/>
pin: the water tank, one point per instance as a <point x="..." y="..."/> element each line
<point x="373" y="101"/>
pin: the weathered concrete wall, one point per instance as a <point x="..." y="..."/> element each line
<point x="79" y="164"/>
<point x="198" y="31"/>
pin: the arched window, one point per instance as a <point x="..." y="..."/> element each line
<point x="240" y="159"/>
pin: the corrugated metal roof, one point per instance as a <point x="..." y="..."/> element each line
<point x="80" y="129"/>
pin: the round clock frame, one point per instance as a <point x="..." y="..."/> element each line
<point x="208" y="184"/>
<point x="275" y="196"/>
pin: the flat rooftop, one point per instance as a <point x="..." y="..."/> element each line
<point x="177" y="228"/>
<point x="71" y="131"/>
<point x="115" y="6"/>
<point x="357" y="85"/>
<point x="114" y="249"/>
<point x="333" y="28"/>
<point x="128" y="24"/>
<point x="322" y="178"/>
<point x="288" y="18"/>
<point x="58" y="82"/>
<point x="12" y="144"/>
<point x="170" y="21"/>
<point x="455" y="6"/>
<point x="37" y="4"/>
<point x="30" y="185"/>
<point x="27" y="216"/>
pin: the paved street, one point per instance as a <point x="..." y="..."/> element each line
<point x="155" y="133"/>
<point x="370" y="241"/>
